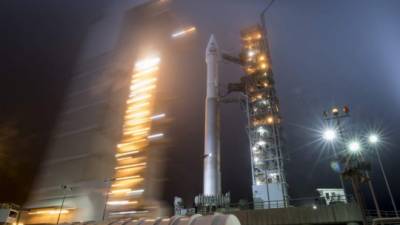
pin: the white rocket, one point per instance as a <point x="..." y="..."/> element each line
<point x="212" y="174"/>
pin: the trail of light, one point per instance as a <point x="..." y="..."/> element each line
<point x="183" y="32"/>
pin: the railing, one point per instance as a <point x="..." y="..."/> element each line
<point x="384" y="213"/>
<point x="313" y="202"/>
<point x="382" y="221"/>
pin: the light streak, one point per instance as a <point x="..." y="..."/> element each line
<point x="136" y="128"/>
<point x="159" y="116"/>
<point x="128" y="177"/>
<point x="124" y="158"/>
<point x="129" y="212"/>
<point x="140" y="83"/>
<point x="51" y="212"/>
<point x="131" y="166"/>
<point x="120" y="191"/>
<point x="145" y="72"/>
<point x="183" y="32"/>
<point x="155" y="136"/>
<point x="138" y="98"/>
<point x="135" y="192"/>
<point x="121" y="202"/>
<point x="126" y="153"/>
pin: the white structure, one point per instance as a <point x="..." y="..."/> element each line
<point x="212" y="174"/>
<point x="332" y="195"/>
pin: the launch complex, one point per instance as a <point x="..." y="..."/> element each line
<point x="105" y="157"/>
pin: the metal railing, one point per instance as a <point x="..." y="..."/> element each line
<point x="384" y="213"/>
<point x="313" y="202"/>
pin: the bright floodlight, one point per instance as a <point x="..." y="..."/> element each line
<point x="373" y="138"/>
<point x="354" y="146"/>
<point x="329" y="134"/>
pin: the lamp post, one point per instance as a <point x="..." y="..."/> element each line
<point x="373" y="140"/>
<point x="330" y="136"/>
<point x="355" y="148"/>
<point x="336" y="113"/>
<point x="64" y="187"/>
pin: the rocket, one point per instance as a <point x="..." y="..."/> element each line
<point x="212" y="174"/>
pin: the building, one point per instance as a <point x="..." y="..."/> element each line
<point x="84" y="165"/>
<point x="79" y="175"/>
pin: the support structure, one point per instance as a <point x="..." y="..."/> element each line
<point x="262" y="105"/>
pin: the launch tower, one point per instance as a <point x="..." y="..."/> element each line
<point x="262" y="105"/>
<point x="269" y="182"/>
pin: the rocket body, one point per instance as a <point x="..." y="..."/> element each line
<point x="212" y="174"/>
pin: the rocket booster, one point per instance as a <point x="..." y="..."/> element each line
<point x="212" y="174"/>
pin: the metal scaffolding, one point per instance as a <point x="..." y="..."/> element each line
<point x="262" y="106"/>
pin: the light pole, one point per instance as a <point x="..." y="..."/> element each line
<point x="336" y="113"/>
<point x="373" y="139"/>
<point x="330" y="135"/>
<point x="355" y="148"/>
<point x="64" y="187"/>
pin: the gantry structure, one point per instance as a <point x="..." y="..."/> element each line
<point x="262" y="108"/>
<point x="269" y="181"/>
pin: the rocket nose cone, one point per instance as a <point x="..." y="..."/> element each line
<point x="212" y="46"/>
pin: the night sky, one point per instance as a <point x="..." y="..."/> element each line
<point x="323" y="53"/>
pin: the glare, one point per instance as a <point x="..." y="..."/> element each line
<point x="354" y="146"/>
<point x="329" y="135"/>
<point x="373" y="139"/>
<point x="261" y="143"/>
<point x="147" y="64"/>
<point x="251" y="53"/>
<point x="261" y="130"/>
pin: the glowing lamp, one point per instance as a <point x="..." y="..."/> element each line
<point x="373" y="139"/>
<point x="329" y="135"/>
<point x="354" y="146"/>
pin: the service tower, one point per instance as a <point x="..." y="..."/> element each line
<point x="262" y="104"/>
